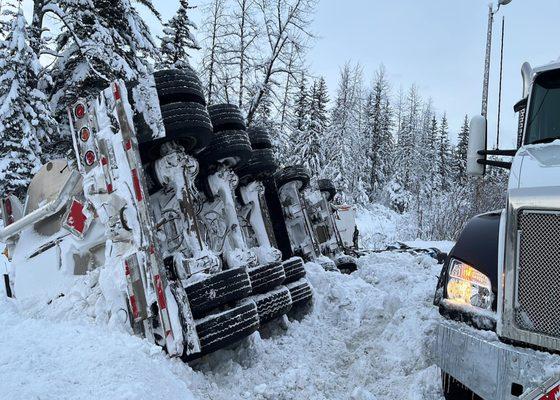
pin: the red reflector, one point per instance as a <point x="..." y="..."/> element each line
<point x="128" y="145"/>
<point x="160" y="295"/>
<point x="116" y="92"/>
<point x="84" y="134"/>
<point x="76" y="220"/>
<point x="136" y="184"/>
<point x="126" y="269"/>
<point x="89" y="158"/>
<point x="80" y="110"/>
<point x="152" y="249"/>
<point x="104" y="161"/>
<point x="109" y="188"/>
<point x="8" y="206"/>
<point x="134" y="306"/>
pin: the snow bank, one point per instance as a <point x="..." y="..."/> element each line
<point x="366" y="337"/>
<point x="42" y="359"/>
<point x="380" y="226"/>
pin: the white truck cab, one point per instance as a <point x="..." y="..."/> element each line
<point x="498" y="291"/>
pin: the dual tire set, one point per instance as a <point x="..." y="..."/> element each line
<point x="235" y="303"/>
<point x="232" y="304"/>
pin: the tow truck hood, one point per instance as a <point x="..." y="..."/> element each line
<point x="536" y="166"/>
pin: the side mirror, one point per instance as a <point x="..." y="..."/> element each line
<point x="477" y="143"/>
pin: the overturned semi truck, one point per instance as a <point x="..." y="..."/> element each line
<point x="155" y="207"/>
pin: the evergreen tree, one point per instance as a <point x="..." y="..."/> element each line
<point x="24" y="113"/>
<point x="178" y="40"/>
<point x="444" y="155"/>
<point x="319" y="106"/>
<point x="309" y="144"/>
<point x="301" y="107"/>
<point x="343" y="145"/>
<point x="461" y="152"/>
<point x="377" y="133"/>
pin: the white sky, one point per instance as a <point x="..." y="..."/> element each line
<point x="437" y="44"/>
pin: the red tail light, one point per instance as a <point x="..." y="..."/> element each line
<point x="80" y="110"/>
<point x="89" y="158"/>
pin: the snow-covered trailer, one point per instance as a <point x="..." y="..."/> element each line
<point x="498" y="290"/>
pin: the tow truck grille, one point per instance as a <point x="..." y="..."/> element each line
<point x="538" y="274"/>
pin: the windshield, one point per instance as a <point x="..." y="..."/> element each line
<point x="543" y="124"/>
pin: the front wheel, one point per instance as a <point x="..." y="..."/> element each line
<point x="455" y="390"/>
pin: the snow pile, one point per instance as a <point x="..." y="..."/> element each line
<point x="366" y="337"/>
<point x="380" y="226"/>
<point x="42" y="359"/>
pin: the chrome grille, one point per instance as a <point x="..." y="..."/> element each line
<point x="538" y="275"/>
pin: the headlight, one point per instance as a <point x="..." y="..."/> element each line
<point x="469" y="286"/>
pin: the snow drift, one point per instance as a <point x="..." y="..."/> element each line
<point x="366" y="337"/>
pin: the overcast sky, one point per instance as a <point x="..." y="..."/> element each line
<point x="437" y="44"/>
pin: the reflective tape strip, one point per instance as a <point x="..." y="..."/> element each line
<point x="160" y="294"/>
<point x="136" y="184"/>
<point x="163" y="306"/>
<point x="134" y="306"/>
<point x="116" y="91"/>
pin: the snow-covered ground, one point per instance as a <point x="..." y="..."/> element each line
<point x="366" y="337"/>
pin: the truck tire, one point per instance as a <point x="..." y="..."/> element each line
<point x="260" y="166"/>
<point x="301" y="292"/>
<point x="231" y="145"/>
<point x="188" y="124"/>
<point x="226" y="117"/>
<point x="293" y="173"/>
<point x="294" y="269"/>
<point x="216" y="290"/>
<point x="174" y="85"/>
<point x="327" y="186"/>
<point x="266" y="277"/>
<point x="223" y="328"/>
<point x="259" y="137"/>
<point x="455" y="390"/>
<point x="273" y="304"/>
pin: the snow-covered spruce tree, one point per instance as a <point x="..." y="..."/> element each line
<point x="377" y="133"/>
<point x="444" y="160"/>
<point x="461" y="152"/>
<point x="318" y="108"/>
<point x="301" y="106"/>
<point x="25" y="119"/>
<point x="344" y="144"/>
<point x="178" y="40"/>
<point x="408" y="137"/>
<point x="101" y="40"/>
<point x="311" y="127"/>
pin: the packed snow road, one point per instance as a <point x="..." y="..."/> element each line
<point x="366" y="337"/>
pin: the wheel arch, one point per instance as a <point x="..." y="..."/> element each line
<point x="478" y="246"/>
